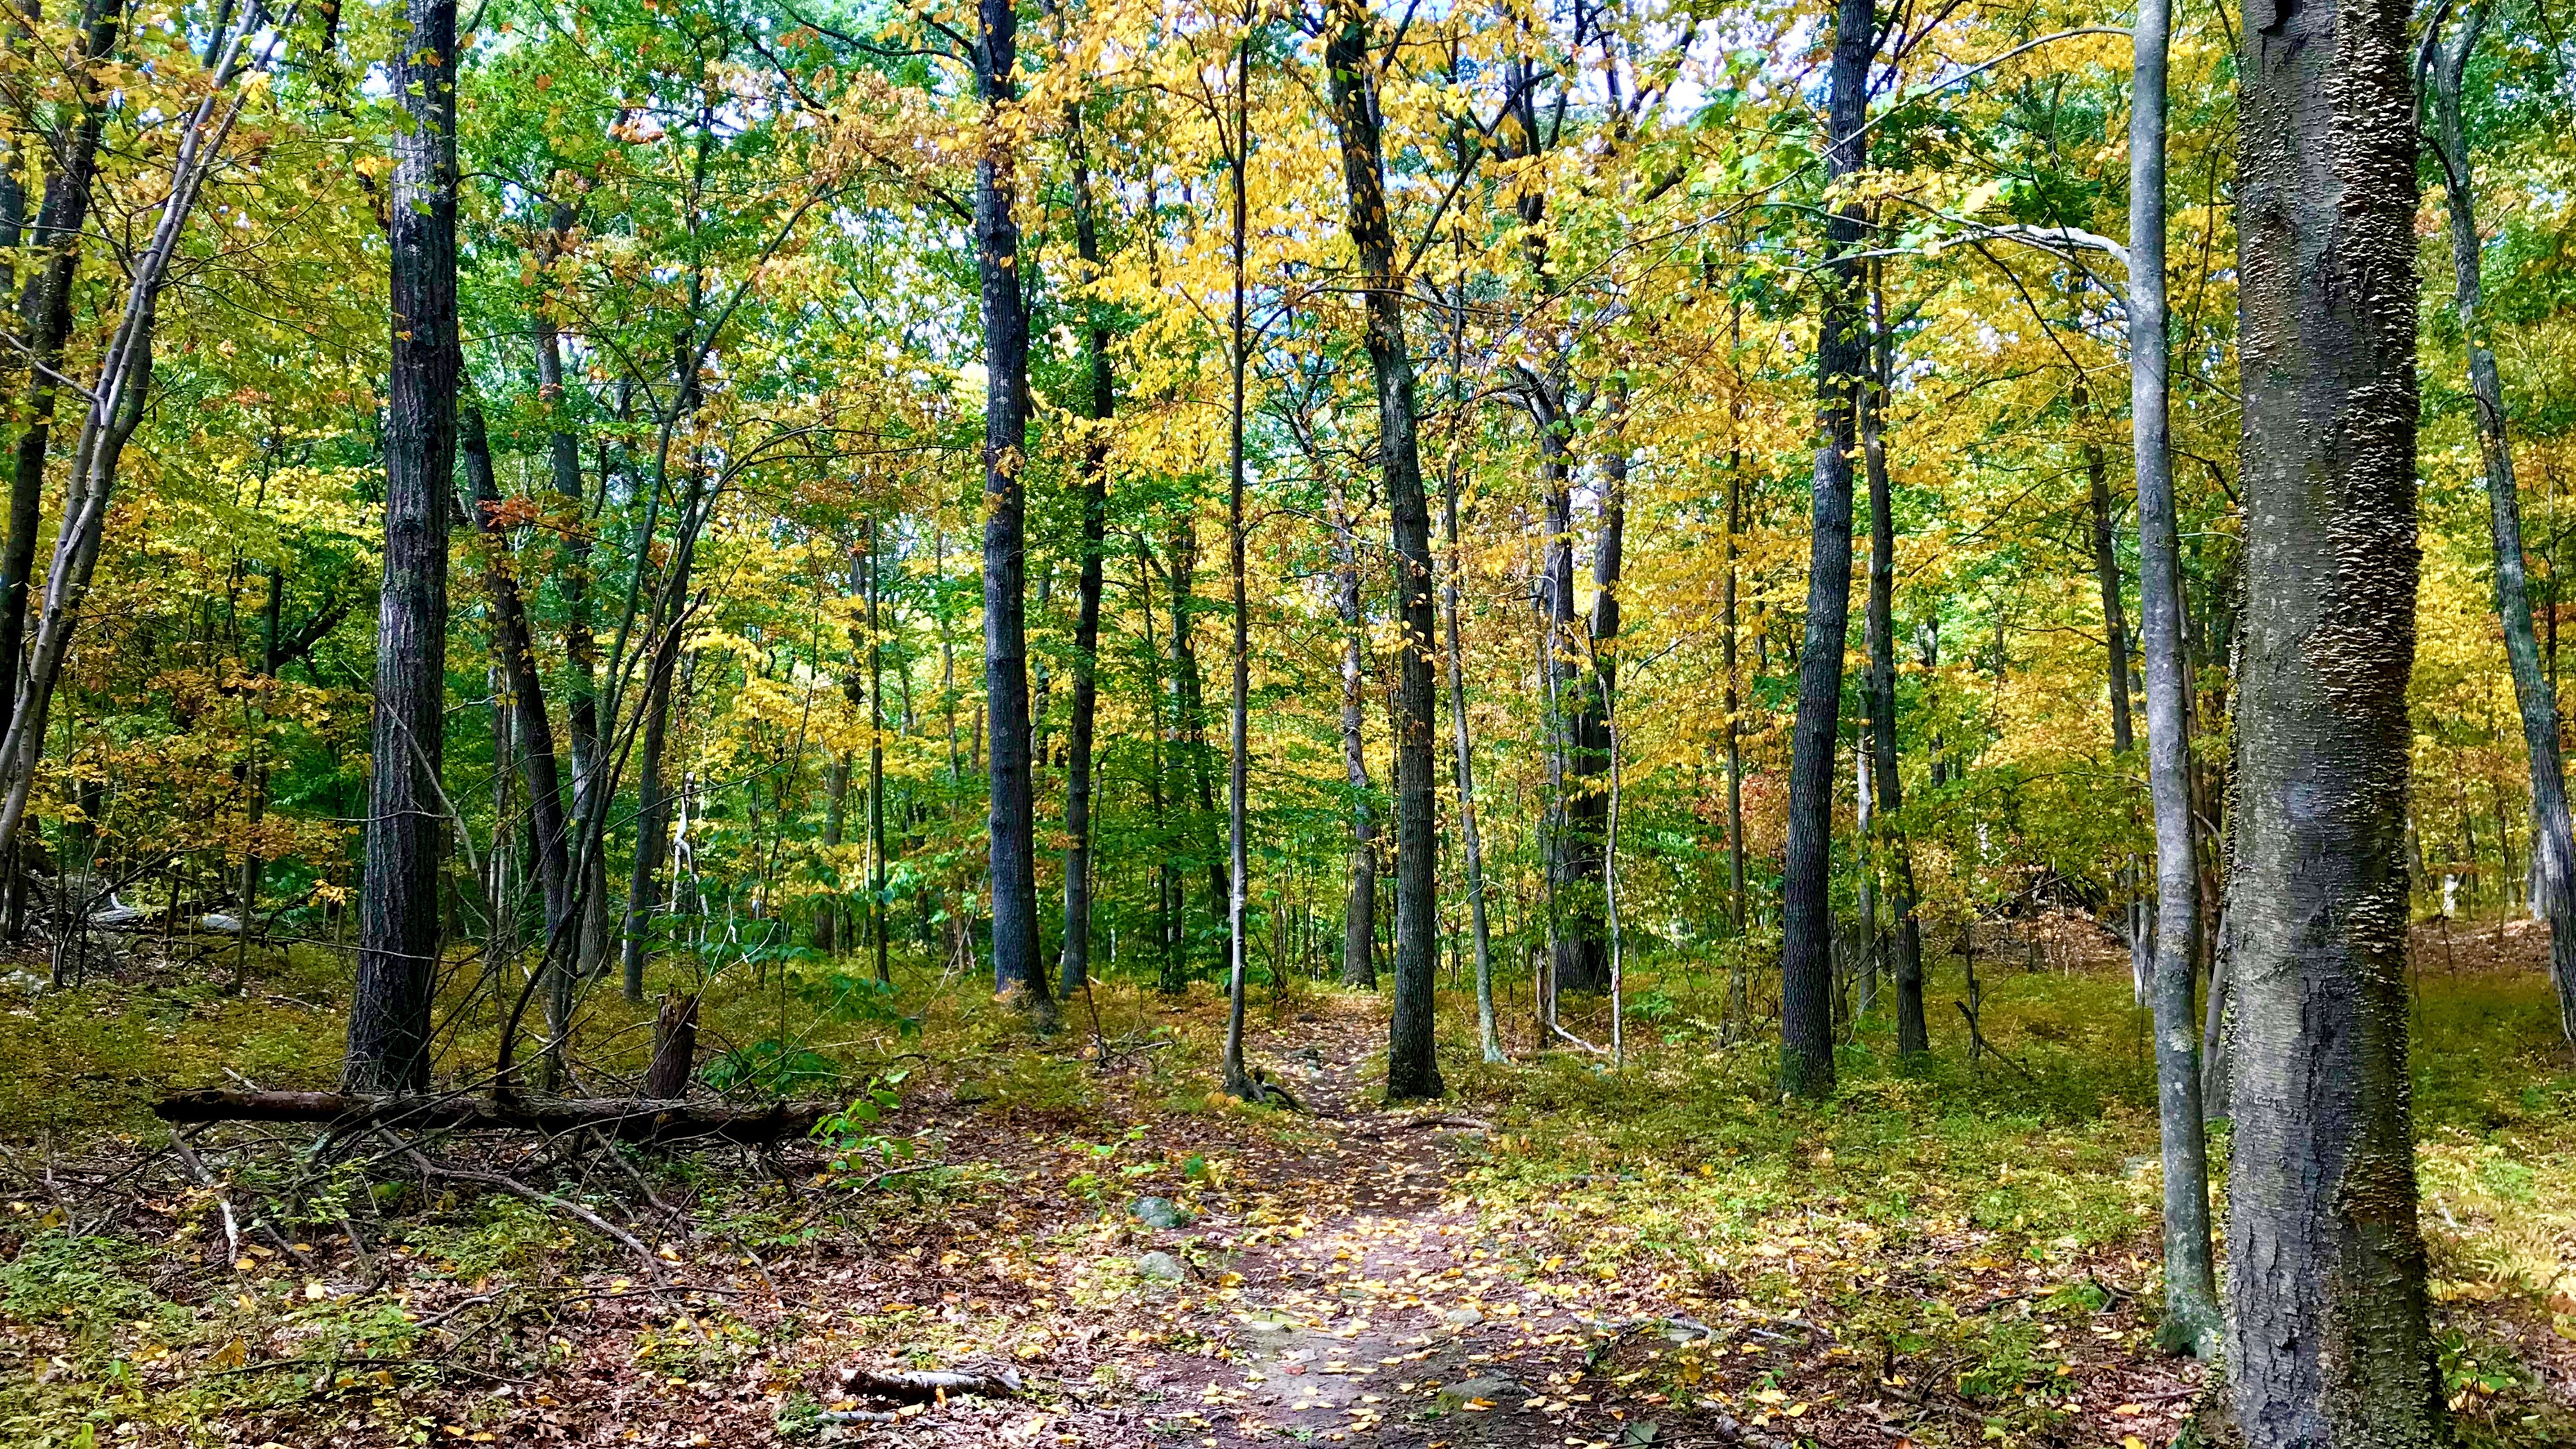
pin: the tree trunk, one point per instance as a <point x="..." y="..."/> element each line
<point x="876" y="764"/>
<point x="1075" y="967"/>
<point x="1017" y="971"/>
<point x="2553" y="872"/>
<point x="1905" y="933"/>
<point x="2191" y="1290"/>
<point x="1359" y="912"/>
<point x="1172" y="970"/>
<point x="1488" y="1033"/>
<point x="1237" y="1082"/>
<point x="398" y="930"/>
<point x="2327" y="1342"/>
<point x="1587" y="966"/>
<point x="1413" y="1069"/>
<point x="581" y="647"/>
<point x="1806" y="954"/>
<point x="534" y="737"/>
<point x="652" y="811"/>
<point x="46" y="313"/>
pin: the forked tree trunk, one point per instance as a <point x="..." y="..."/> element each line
<point x="398" y="918"/>
<point x="2327" y="1344"/>
<point x="1806" y="954"/>
<point x="1413" y="1069"/>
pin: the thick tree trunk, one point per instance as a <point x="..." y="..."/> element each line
<point x="2327" y="1342"/>
<point x="2191" y="1288"/>
<point x="1905" y="932"/>
<point x="2553" y="872"/>
<point x="398" y="922"/>
<point x="1075" y="966"/>
<point x="1359" y="910"/>
<point x="1806" y="954"/>
<point x="46" y="313"/>
<point x="1017" y="971"/>
<point x="1413" y="1069"/>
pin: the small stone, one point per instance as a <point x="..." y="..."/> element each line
<point x="1454" y="1397"/>
<point x="1161" y="1212"/>
<point x="1161" y="1265"/>
<point x="1462" y="1317"/>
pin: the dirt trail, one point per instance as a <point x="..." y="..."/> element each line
<point x="1390" y="1319"/>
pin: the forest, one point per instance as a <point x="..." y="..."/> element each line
<point x="1501" y="723"/>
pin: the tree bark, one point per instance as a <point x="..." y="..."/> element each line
<point x="1075" y="966"/>
<point x="398" y="924"/>
<point x="45" y="311"/>
<point x="2327" y="1342"/>
<point x="1237" y="1082"/>
<point x="1488" y="1032"/>
<point x="1905" y="932"/>
<point x="581" y="646"/>
<point x="2553" y="862"/>
<point x="1806" y="954"/>
<point x="534" y="737"/>
<point x="1413" y="1069"/>
<point x="2191" y="1288"/>
<point x="1017" y="971"/>
<point x="1359" y="910"/>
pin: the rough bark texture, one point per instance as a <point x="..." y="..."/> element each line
<point x="2191" y="1290"/>
<point x="1413" y="1069"/>
<point x="1017" y="971"/>
<point x="1075" y="967"/>
<point x="45" y="311"/>
<point x="2327" y="1344"/>
<point x="1359" y="903"/>
<point x="398" y="918"/>
<point x="1806" y="952"/>
<point x="2553" y="871"/>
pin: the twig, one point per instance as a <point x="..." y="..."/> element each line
<point x="592" y="1220"/>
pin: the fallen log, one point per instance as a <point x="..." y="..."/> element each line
<point x="631" y="1119"/>
<point x="911" y="1386"/>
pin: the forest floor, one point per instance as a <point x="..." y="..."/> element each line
<point x="1952" y="1254"/>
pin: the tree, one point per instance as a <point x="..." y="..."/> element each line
<point x="2553" y="872"/>
<point x="1413" y="1069"/>
<point x="2191" y="1294"/>
<point x="1016" y="968"/>
<point x="398" y="919"/>
<point x="1102" y="402"/>
<point x="2327" y="1341"/>
<point x="1806" y="953"/>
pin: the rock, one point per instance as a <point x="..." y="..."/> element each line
<point x="226" y="925"/>
<point x="1454" y="1397"/>
<point x="1161" y="1265"/>
<point x="1462" y="1317"/>
<point x="1161" y="1212"/>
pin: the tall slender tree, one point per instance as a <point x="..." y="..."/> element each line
<point x="1075" y="967"/>
<point x="2191" y="1293"/>
<point x="2553" y="872"/>
<point x="1413" y="1068"/>
<point x="1905" y="933"/>
<point x="2327" y="1337"/>
<point x="1842" y="352"/>
<point x="1017" y="971"/>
